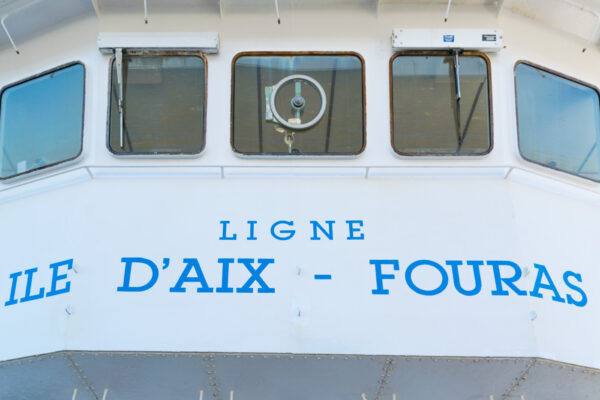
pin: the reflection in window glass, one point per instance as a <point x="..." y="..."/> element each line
<point x="41" y="121"/>
<point x="298" y="104"/>
<point x="163" y="105"/>
<point x="558" y="122"/>
<point x="429" y="118"/>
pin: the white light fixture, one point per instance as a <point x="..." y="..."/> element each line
<point x="489" y="40"/>
<point x="206" y="42"/>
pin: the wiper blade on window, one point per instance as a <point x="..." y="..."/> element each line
<point x="456" y="67"/>
<point x="461" y="139"/>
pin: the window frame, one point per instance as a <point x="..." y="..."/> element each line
<point x="157" y="52"/>
<point x="64" y="162"/>
<point x="490" y="102"/>
<point x="299" y="53"/>
<point x="560" y="75"/>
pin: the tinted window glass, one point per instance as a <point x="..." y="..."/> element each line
<point x="298" y="104"/>
<point x="428" y="119"/>
<point x="41" y="121"/>
<point x="558" y="122"/>
<point x="163" y="105"/>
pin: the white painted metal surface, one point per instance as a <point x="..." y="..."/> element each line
<point x="102" y="209"/>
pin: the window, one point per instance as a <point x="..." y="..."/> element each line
<point x="558" y="122"/>
<point x="298" y="104"/>
<point x="440" y="104"/>
<point x="41" y="121"/>
<point x="162" y="97"/>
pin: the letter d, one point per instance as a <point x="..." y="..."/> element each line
<point x="127" y="276"/>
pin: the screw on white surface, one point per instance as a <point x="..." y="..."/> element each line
<point x="74" y="394"/>
<point x="68" y="310"/>
<point x="525" y="271"/>
<point x="532" y="315"/>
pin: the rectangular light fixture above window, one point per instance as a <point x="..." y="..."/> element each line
<point x="205" y="42"/>
<point x="487" y="40"/>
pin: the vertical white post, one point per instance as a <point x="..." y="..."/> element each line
<point x="146" y="11"/>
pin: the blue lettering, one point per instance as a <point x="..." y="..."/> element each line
<point x="13" y="288"/>
<point x="28" y="296"/>
<point x="289" y="233"/>
<point x="352" y="230"/>
<point x="415" y="288"/>
<point x="328" y="233"/>
<point x="225" y="276"/>
<point x="224" y="235"/>
<point x="255" y="275"/>
<point x="251" y="235"/>
<point x="191" y="263"/>
<point x="56" y="277"/>
<point x="127" y="275"/>
<point x="508" y="281"/>
<point x="570" y="299"/>
<point x="379" y="276"/>
<point x="543" y="273"/>
<point x="456" y="276"/>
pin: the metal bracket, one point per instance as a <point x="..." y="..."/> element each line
<point x="96" y="8"/>
<point x="447" y="11"/>
<point x="8" y="34"/>
<point x="500" y="7"/>
<point x="589" y="41"/>
<point x="277" y="11"/>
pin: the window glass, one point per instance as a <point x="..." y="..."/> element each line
<point x="294" y="104"/>
<point x="163" y="105"/>
<point x="41" y="121"/>
<point x="428" y="117"/>
<point x="557" y="121"/>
